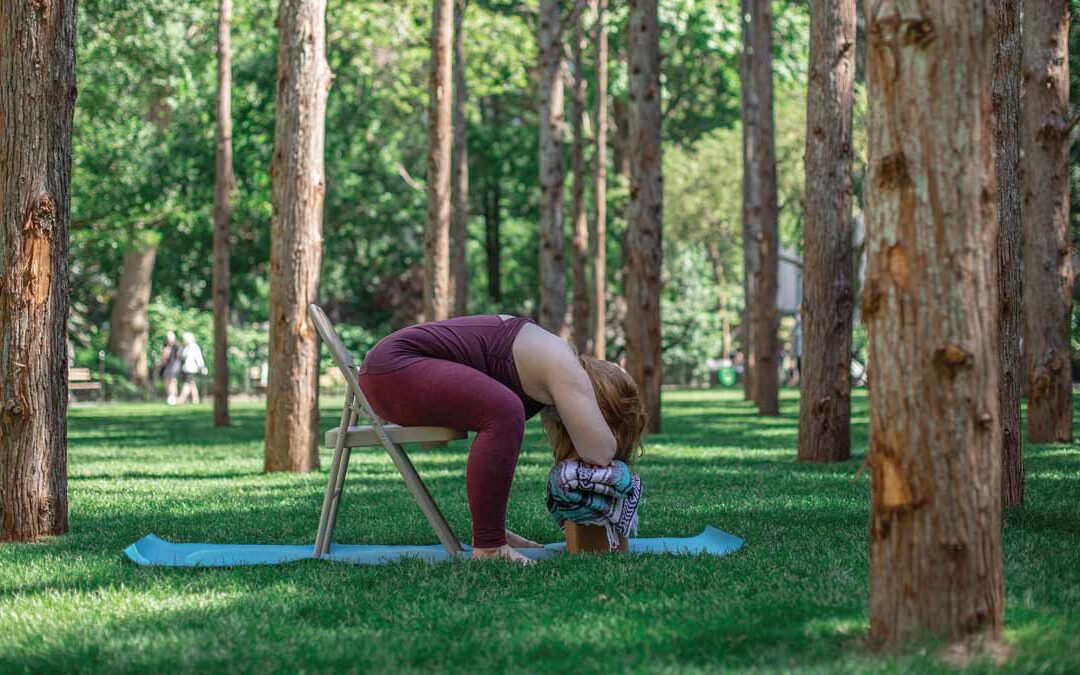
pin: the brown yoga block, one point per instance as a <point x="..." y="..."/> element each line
<point x="592" y="538"/>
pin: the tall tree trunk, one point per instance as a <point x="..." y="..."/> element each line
<point x="493" y="212"/>
<point x="552" y="131"/>
<point x="1044" y="135"/>
<point x="759" y="202"/>
<point x="459" y="217"/>
<point x="620" y="154"/>
<point x="437" y="238"/>
<point x="581" y="315"/>
<point x="644" y="250"/>
<point x="129" y="329"/>
<point x="223" y="187"/>
<point x="298" y="185"/>
<point x="37" y="100"/>
<point x="598" y="234"/>
<point x="1006" y="100"/>
<point x="829" y="272"/>
<point x="931" y="307"/>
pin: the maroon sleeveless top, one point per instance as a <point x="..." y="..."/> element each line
<point x="484" y="343"/>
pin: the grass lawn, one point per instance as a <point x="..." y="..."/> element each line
<point x="795" y="598"/>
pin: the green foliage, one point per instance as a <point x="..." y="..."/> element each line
<point x="692" y="318"/>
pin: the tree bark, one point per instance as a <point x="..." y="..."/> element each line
<point x="129" y="329"/>
<point x="581" y="310"/>
<point x="620" y="154"/>
<point x="493" y="213"/>
<point x="760" y="202"/>
<point x="298" y="184"/>
<point x="459" y="217"/>
<point x="1006" y="98"/>
<point x="437" y="237"/>
<point x="552" y="132"/>
<point x="931" y="308"/>
<point x="1047" y="255"/>
<point x="223" y="187"/>
<point x="644" y="250"/>
<point x="37" y="100"/>
<point x="829" y="272"/>
<point x="598" y="234"/>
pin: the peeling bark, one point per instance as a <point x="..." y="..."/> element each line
<point x="829" y="271"/>
<point x="37" y="100"/>
<point x="1048" y="274"/>
<point x="224" y="184"/>
<point x="931" y="308"/>
<point x="298" y="185"/>
<point x="644" y="236"/>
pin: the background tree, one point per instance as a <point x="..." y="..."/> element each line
<point x="459" y="216"/>
<point x="598" y="232"/>
<point x="760" y="205"/>
<point x="129" y="329"/>
<point x="1006" y="99"/>
<point x="437" y="239"/>
<point x="935" y="453"/>
<point x="1048" y="275"/>
<point x="829" y="263"/>
<point x="37" y="100"/>
<point x="581" y="298"/>
<point x="296" y="235"/>
<point x="223" y="187"/>
<point x="644" y="239"/>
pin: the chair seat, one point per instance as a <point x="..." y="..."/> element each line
<point x="365" y="435"/>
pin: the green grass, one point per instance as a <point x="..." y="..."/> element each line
<point x="795" y="598"/>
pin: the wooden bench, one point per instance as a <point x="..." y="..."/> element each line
<point x="80" y="379"/>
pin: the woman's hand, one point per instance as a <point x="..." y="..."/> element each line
<point x="518" y="541"/>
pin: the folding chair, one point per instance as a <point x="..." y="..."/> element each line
<point x="390" y="436"/>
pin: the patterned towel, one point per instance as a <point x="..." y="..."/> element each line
<point x="590" y="495"/>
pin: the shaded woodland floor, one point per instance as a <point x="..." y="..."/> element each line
<point x="795" y="598"/>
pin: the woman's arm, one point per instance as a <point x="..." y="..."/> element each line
<point x="572" y="392"/>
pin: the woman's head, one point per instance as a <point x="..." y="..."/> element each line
<point x="189" y="339"/>
<point x="620" y="403"/>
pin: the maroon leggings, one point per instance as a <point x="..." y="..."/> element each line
<point x="434" y="392"/>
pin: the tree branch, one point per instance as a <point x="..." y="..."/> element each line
<point x="404" y="173"/>
<point x="571" y="18"/>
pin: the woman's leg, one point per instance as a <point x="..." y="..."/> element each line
<point x="434" y="392"/>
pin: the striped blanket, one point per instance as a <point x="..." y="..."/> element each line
<point x="589" y="495"/>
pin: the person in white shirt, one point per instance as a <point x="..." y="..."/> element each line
<point x="191" y="364"/>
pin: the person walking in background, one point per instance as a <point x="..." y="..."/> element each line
<point x="168" y="366"/>
<point x="191" y="364"/>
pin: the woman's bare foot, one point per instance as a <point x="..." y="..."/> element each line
<point x="518" y="541"/>
<point x="505" y="552"/>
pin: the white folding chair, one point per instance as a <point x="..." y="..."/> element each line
<point x="390" y="436"/>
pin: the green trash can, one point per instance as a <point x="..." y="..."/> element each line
<point x="727" y="376"/>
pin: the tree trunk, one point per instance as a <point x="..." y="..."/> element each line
<point x="621" y="141"/>
<point x="1006" y="98"/>
<point x="751" y="197"/>
<point x="437" y="237"/>
<point x="760" y="205"/>
<point x="1047" y="253"/>
<point x="459" y="218"/>
<point x="644" y="250"/>
<point x="37" y="100"/>
<point x="581" y="310"/>
<point x="552" y="266"/>
<point x="298" y="185"/>
<point x="931" y="308"/>
<point x="598" y="234"/>
<point x="829" y="272"/>
<point x="493" y="212"/>
<point x="223" y="187"/>
<point x="749" y="295"/>
<point x="129" y="329"/>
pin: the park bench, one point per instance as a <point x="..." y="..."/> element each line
<point x="349" y="435"/>
<point x="80" y="379"/>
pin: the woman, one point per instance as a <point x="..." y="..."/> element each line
<point x="191" y="364"/>
<point x="489" y="374"/>
<point x="169" y="366"/>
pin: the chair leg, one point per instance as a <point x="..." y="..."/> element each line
<point x="335" y="481"/>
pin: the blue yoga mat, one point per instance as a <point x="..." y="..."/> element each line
<point x="153" y="551"/>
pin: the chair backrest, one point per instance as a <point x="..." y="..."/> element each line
<point x="342" y="359"/>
